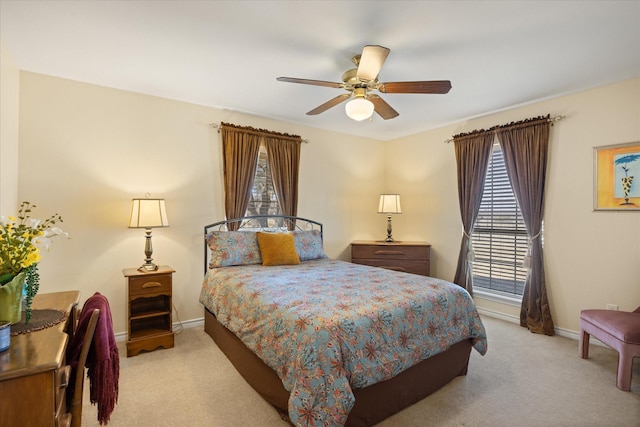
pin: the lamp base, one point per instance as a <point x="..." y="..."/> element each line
<point x="148" y="267"/>
<point x="389" y="239"/>
<point x="148" y="251"/>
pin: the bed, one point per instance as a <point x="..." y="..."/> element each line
<point x="328" y="342"/>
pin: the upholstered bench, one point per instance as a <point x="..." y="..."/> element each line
<point x="619" y="330"/>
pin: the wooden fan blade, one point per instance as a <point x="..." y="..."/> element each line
<point x="371" y="62"/>
<point x="331" y="103"/>
<point x="381" y="107"/>
<point x="433" y="86"/>
<point x="309" y="82"/>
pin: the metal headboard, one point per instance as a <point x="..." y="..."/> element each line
<point x="272" y="223"/>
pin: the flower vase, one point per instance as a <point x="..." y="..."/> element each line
<point x="11" y="299"/>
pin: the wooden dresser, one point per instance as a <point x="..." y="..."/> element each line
<point x="33" y="374"/>
<point x="410" y="257"/>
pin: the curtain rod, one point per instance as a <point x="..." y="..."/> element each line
<point x="217" y="126"/>
<point x="550" y="120"/>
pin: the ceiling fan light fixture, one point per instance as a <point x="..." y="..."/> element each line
<point x="359" y="109"/>
<point x="359" y="81"/>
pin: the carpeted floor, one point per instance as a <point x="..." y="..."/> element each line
<point x="524" y="380"/>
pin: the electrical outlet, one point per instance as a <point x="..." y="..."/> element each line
<point x="612" y="307"/>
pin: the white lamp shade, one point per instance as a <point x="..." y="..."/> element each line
<point x="389" y="204"/>
<point x="359" y="109"/>
<point x="148" y="213"/>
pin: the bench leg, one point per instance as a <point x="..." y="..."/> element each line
<point x="625" y="366"/>
<point x="583" y="344"/>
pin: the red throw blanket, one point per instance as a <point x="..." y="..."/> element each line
<point x="103" y="361"/>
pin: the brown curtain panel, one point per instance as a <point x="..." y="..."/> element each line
<point x="284" y="159"/>
<point x="472" y="158"/>
<point x="240" y="149"/>
<point x="525" y="154"/>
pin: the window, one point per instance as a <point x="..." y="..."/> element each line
<point x="263" y="199"/>
<point x="499" y="237"/>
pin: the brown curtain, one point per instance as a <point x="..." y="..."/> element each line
<point x="284" y="159"/>
<point x="240" y="149"/>
<point x="525" y="154"/>
<point x="472" y="158"/>
<point x="241" y="146"/>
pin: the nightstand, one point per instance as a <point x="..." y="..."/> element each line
<point x="409" y="257"/>
<point x="149" y="309"/>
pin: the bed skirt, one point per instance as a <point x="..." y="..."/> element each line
<point x="373" y="403"/>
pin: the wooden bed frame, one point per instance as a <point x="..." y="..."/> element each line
<point x="373" y="403"/>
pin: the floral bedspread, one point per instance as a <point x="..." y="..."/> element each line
<point x="327" y="326"/>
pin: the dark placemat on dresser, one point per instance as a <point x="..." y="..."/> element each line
<point x="40" y="319"/>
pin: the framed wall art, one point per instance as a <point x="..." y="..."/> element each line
<point x="616" y="176"/>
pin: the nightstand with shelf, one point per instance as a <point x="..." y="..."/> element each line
<point x="149" y="308"/>
<point x="409" y="257"/>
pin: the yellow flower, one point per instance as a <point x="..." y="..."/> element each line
<point x="20" y="243"/>
<point x="21" y="239"/>
<point x="31" y="258"/>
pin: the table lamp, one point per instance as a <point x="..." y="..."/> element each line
<point x="389" y="204"/>
<point x="148" y="213"/>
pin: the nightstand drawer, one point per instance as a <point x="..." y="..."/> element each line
<point x="390" y="252"/>
<point x="158" y="283"/>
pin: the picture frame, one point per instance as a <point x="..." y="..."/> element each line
<point x="616" y="177"/>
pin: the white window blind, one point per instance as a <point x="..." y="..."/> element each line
<point x="499" y="237"/>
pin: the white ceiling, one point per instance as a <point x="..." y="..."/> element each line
<point x="227" y="54"/>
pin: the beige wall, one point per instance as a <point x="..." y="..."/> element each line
<point x="592" y="258"/>
<point x="86" y="150"/>
<point x="9" y="96"/>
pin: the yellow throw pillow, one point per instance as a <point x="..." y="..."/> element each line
<point x="277" y="248"/>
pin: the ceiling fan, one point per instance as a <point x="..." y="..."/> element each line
<point x="362" y="80"/>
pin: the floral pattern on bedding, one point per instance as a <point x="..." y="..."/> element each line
<point x="327" y="327"/>
<point x="308" y="244"/>
<point x="233" y="248"/>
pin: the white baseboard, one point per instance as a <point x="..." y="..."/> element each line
<point x="558" y="331"/>
<point x="188" y="324"/>
<point x="498" y="315"/>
